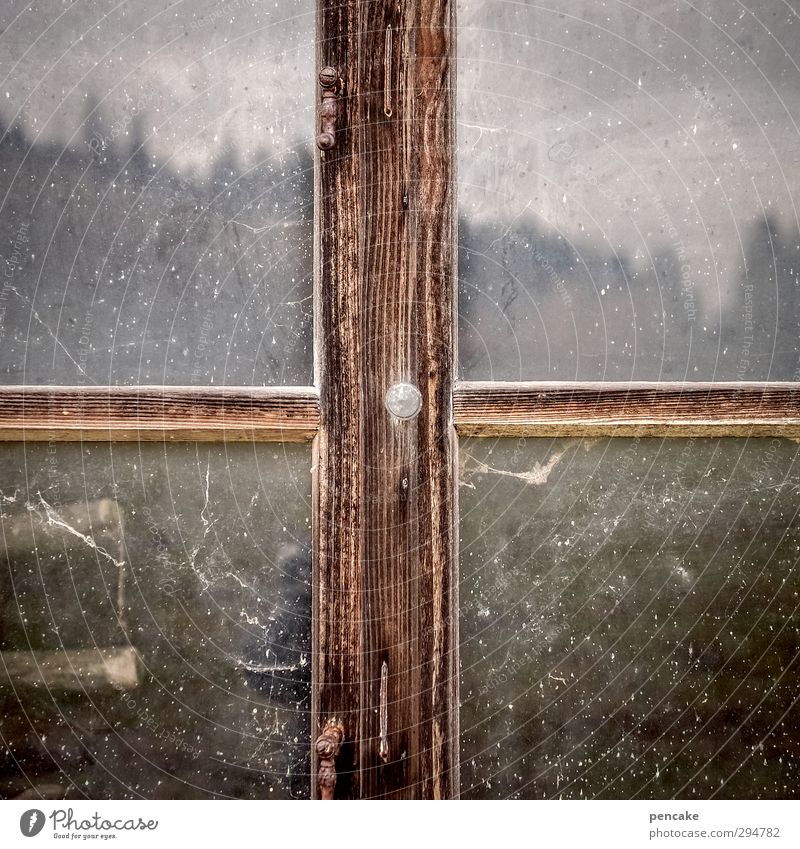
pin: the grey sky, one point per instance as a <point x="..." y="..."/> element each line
<point x="197" y="73"/>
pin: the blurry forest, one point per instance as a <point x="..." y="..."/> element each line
<point x="535" y="306"/>
<point x="123" y="270"/>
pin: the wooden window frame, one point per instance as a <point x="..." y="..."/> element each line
<point x="385" y="492"/>
<point x="479" y="408"/>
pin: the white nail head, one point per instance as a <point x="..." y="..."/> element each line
<point x="403" y="400"/>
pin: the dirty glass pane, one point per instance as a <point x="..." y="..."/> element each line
<point x="155" y="621"/>
<point x="156" y="192"/>
<point x="628" y="175"/>
<point x="629" y="618"/>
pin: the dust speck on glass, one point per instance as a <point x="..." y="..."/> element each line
<point x="155" y="629"/>
<point x="629" y="618"/>
<point x="628" y="175"/>
<point x="157" y="196"/>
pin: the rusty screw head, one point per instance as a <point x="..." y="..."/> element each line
<point x="330" y="740"/>
<point x="326" y="141"/>
<point x="328" y="77"/>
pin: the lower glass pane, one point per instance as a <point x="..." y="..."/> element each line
<point x="155" y="621"/>
<point x="629" y="618"/>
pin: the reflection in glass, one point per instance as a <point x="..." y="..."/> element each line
<point x="629" y="618"/>
<point x="155" y="621"/>
<point x="627" y="182"/>
<point x="156" y="203"/>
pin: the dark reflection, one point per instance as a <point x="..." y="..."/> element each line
<point x="155" y="637"/>
<point x="278" y="663"/>
<point x="630" y="618"/>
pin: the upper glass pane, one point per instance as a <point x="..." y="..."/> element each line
<point x="156" y="192"/>
<point x="629" y="618"/>
<point x="628" y="174"/>
<point x="155" y="621"/>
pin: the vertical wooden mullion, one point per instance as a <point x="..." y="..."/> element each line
<point x="384" y="488"/>
<point x="336" y="625"/>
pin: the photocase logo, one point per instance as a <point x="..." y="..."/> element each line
<point x="31" y="822"/>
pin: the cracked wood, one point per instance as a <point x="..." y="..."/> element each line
<point x="632" y="409"/>
<point x="385" y="492"/>
<point x="158" y="413"/>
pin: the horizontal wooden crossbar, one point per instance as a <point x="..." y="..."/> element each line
<point x="158" y="414"/>
<point x="492" y="408"/>
<point x="627" y="409"/>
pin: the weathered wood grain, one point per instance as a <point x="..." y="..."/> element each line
<point x="385" y="498"/>
<point x="630" y="409"/>
<point x="155" y="414"/>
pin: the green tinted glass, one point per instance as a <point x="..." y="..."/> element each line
<point x="629" y="618"/>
